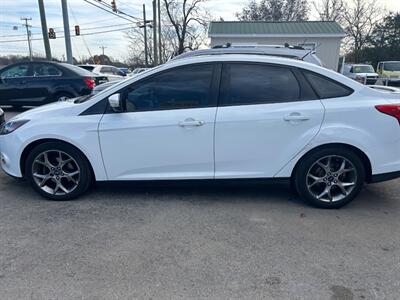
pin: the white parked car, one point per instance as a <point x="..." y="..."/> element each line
<point x="362" y="73"/>
<point x="112" y="73"/>
<point x="216" y="117"/>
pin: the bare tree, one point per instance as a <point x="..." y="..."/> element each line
<point x="136" y="45"/>
<point x="184" y="26"/>
<point x="360" y="18"/>
<point x="275" y="10"/>
<point x="330" y="10"/>
<point x="189" y="20"/>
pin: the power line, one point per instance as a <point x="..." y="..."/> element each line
<point x="83" y="34"/>
<point x="72" y="29"/>
<point x="114" y="9"/>
<point x="113" y="13"/>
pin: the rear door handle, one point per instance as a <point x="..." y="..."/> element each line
<point x="190" y="122"/>
<point x="296" y="117"/>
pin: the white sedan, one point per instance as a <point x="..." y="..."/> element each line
<point x="112" y="73"/>
<point x="214" y="117"/>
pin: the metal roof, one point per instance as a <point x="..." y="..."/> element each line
<point x="305" y="28"/>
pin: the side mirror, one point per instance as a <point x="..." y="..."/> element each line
<point x="115" y="102"/>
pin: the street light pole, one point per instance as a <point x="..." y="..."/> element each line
<point x="67" y="34"/>
<point x="159" y="32"/>
<point x="155" y="49"/>
<point x="44" y="30"/>
<point x="28" y="35"/>
<point x="145" y="36"/>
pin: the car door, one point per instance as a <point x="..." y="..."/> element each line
<point x="166" y="130"/>
<point x="43" y="82"/>
<point x="267" y="115"/>
<point x="13" y="84"/>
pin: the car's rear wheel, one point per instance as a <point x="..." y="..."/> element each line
<point x="58" y="171"/>
<point x="63" y="96"/>
<point x="330" y="177"/>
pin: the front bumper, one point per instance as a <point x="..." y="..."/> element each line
<point x="10" y="155"/>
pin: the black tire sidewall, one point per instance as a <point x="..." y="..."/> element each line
<point x="306" y="163"/>
<point x="85" y="176"/>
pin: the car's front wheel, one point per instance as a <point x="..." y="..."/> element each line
<point x="330" y="177"/>
<point x="58" y="171"/>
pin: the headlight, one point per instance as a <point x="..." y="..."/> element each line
<point x="11" y="126"/>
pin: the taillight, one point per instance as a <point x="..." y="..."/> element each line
<point x="390" y="109"/>
<point x="90" y="83"/>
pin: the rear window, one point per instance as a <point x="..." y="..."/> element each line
<point x="326" y="87"/>
<point x="89" y="68"/>
<point x="77" y="70"/>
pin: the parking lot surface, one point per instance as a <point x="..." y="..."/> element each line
<point x="138" y="241"/>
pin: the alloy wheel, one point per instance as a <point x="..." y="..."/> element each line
<point x="62" y="98"/>
<point x="331" y="178"/>
<point x="56" y="172"/>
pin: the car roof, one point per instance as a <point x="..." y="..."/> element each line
<point x="259" y="50"/>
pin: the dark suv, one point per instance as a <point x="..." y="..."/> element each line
<point x="37" y="83"/>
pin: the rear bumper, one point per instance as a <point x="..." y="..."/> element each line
<point x="385" y="177"/>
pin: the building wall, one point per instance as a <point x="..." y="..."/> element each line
<point x="328" y="49"/>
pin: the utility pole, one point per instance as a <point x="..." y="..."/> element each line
<point x="159" y="33"/>
<point x="28" y="35"/>
<point x="155" y="49"/>
<point x="44" y="30"/>
<point x="145" y="36"/>
<point x="67" y="34"/>
<point x="102" y="48"/>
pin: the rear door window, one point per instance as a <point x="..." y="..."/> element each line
<point x="107" y="70"/>
<point x="326" y="87"/>
<point x="247" y="84"/>
<point x="45" y="70"/>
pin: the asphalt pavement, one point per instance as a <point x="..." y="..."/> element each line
<point x="139" y="241"/>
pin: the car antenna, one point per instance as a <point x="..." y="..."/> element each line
<point x="311" y="51"/>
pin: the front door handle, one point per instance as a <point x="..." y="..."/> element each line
<point x="190" y="122"/>
<point x="296" y="117"/>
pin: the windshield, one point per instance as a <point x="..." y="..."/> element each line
<point x="363" y="69"/>
<point x="392" y="66"/>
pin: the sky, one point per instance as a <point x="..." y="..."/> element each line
<point x="92" y="19"/>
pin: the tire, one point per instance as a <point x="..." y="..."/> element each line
<point x="333" y="186"/>
<point x="58" y="171"/>
<point x="62" y="96"/>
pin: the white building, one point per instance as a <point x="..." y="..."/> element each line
<point x="324" y="37"/>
